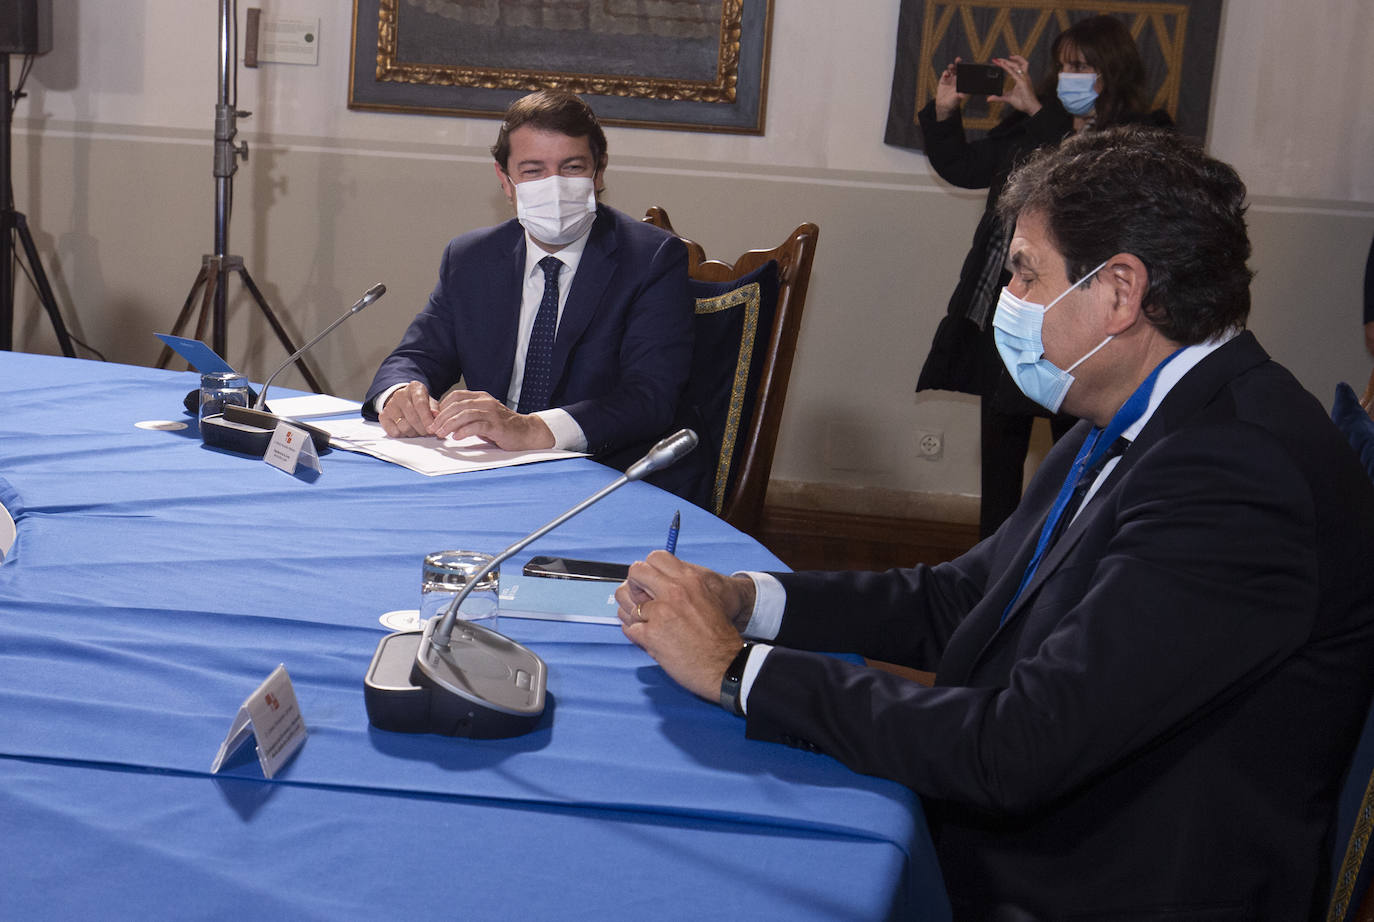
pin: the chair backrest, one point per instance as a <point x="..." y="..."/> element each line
<point x="1352" y="860"/>
<point x="1352" y="899"/>
<point x="745" y="458"/>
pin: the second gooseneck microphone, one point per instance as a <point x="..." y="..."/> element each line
<point x="372" y="294"/>
<point x="665" y="453"/>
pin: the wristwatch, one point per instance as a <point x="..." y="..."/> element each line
<point x="730" y="685"/>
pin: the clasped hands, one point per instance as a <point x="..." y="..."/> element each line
<point x="686" y="617"/>
<point x="411" y="411"/>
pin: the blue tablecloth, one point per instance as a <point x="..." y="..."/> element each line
<point x="155" y="582"/>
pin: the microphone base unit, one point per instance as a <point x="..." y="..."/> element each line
<point x="484" y="686"/>
<point x="249" y="432"/>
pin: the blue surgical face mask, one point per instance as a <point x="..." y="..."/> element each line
<point x="1077" y="93"/>
<point x="1016" y="329"/>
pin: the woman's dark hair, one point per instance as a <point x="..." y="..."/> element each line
<point x="552" y="110"/>
<point x="1106" y="45"/>
<point x="1155" y="195"/>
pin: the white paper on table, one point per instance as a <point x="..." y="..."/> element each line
<point x="313" y="405"/>
<point x="426" y="454"/>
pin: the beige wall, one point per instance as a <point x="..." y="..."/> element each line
<point x="113" y="168"/>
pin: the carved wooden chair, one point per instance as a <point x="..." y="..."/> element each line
<point x="748" y="317"/>
<point x="1352" y="897"/>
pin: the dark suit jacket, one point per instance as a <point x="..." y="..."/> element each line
<point x="1162" y="723"/>
<point x="624" y="345"/>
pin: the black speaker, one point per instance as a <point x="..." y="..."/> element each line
<point x="25" y="26"/>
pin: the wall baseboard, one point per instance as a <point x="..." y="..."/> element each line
<point x="810" y="527"/>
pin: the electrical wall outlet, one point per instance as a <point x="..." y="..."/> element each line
<point x="930" y="444"/>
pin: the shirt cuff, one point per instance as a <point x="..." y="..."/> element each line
<point x="380" y="400"/>
<point x="567" y="434"/>
<point x="751" y="671"/>
<point x="770" y="598"/>
<point x="769" y="601"/>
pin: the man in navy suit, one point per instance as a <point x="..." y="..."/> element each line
<point x="1150" y="679"/>
<point x="570" y="326"/>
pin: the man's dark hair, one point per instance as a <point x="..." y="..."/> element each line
<point x="1106" y="45"/>
<point x="552" y="110"/>
<point x="1157" y="196"/>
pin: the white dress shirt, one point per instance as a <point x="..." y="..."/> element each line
<point x="567" y="434"/>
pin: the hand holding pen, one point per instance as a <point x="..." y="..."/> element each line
<point x="671" y="547"/>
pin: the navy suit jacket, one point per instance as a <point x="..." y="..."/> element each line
<point x="624" y="344"/>
<point x="1160" y="727"/>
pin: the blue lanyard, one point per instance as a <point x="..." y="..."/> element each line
<point x="1089" y="456"/>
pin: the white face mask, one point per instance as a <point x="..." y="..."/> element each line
<point x="556" y="209"/>
<point x="1078" y="92"/>
<point x="1016" y="329"/>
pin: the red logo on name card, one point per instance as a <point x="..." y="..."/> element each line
<point x="272" y="701"/>
<point x="289" y="433"/>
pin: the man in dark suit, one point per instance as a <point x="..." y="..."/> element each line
<point x="571" y="325"/>
<point x="1145" y="697"/>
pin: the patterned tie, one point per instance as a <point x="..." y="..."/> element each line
<point x="537" y="386"/>
<point x="1080" y="490"/>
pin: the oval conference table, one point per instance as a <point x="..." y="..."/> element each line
<point x="155" y="582"/>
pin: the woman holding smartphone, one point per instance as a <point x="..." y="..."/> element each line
<point x="1098" y="80"/>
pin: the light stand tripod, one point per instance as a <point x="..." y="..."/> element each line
<point x="216" y="267"/>
<point x="12" y="224"/>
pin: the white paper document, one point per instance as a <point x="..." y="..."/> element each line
<point x="313" y="405"/>
<point x="426" y="454"/>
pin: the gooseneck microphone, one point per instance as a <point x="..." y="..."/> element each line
<point x="249" y="430"/>
<point x="475" y="682"/>
<point x="372" y="294"/>
<point x="665" y="453"/>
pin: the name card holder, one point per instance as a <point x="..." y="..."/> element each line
<point x="290" y="447"/>
<point x="270" y="716"/>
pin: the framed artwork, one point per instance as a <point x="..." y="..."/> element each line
<point x="1177" y="41"/>
<point x="699" y="65"/>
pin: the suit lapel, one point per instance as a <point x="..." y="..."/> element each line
<point x="979" y="630"/>
<point x="594" y="273"/>
<point x="506" y="292"/>
<point x="1198" y="387"/>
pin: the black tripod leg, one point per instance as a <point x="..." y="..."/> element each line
<point x="166" y="355"/>
<point x="40" y="279"/>
<point x="214" y="277"/>
<point x="6" y="261"/>
<point x="278" y="328"/>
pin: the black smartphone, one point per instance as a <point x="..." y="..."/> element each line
<point x="566" y="568"/>
<point x="979" y="79"/>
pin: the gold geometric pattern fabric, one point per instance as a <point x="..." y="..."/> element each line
<point x="1176" y="38"/>
<point x="1019" y="26"/>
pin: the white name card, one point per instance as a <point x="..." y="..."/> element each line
<point x="289" y="447"/>
<point x="270" y="716"/>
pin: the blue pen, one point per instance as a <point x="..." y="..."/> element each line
<point x="672" y="532"/>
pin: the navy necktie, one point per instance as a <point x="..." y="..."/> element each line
<point x="1082" y="474"/>
<point x="1099" y="447"/>
<point x="537" y="386"/>
<point x="1080" y="490"/>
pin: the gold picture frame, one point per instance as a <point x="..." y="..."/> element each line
<point x="698" y="65"/>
